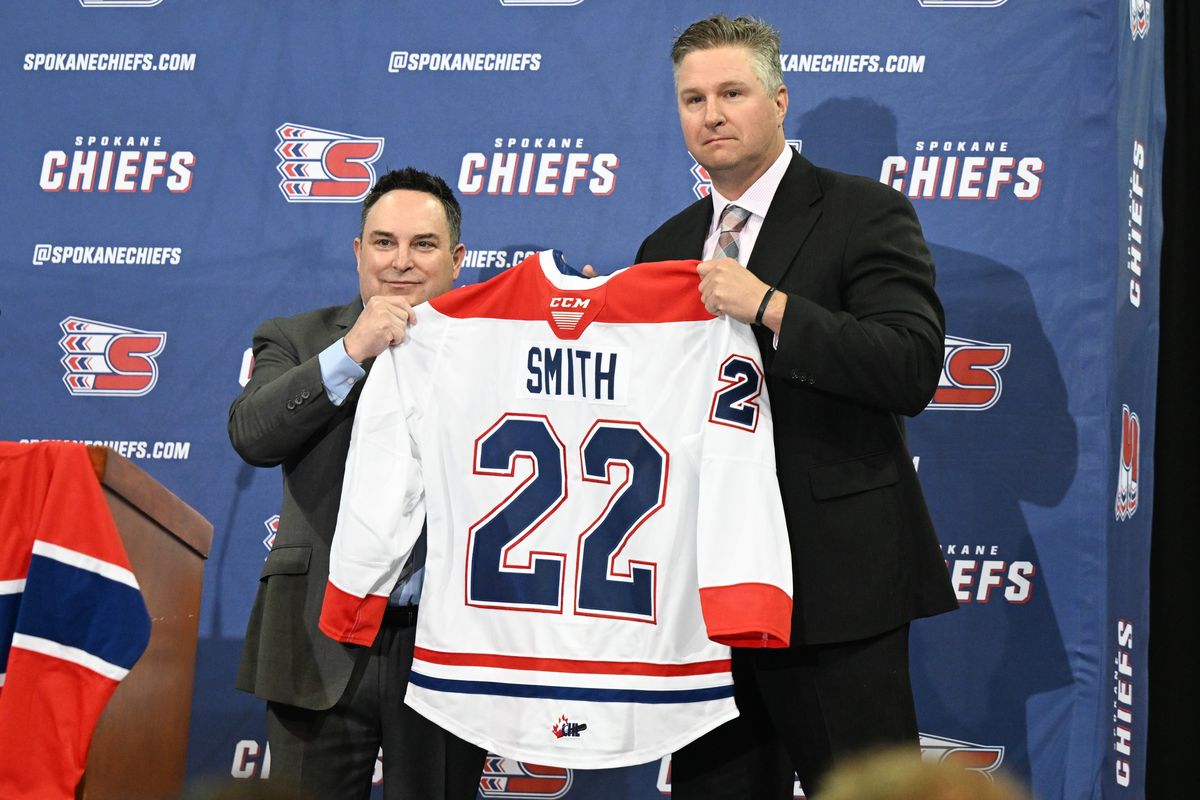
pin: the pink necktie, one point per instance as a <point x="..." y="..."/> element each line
<point x="733" y="219"/>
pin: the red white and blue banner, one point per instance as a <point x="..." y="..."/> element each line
<point x="176" y="171"/>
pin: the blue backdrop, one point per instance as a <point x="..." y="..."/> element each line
<point x="178" y="170"/>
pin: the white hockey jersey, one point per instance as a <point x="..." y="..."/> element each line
<point x="595" y="461"/>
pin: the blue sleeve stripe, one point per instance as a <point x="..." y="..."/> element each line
<point x="84" y="610"/>
<point x="10" y="603"/>
<point x="571" y="692"/>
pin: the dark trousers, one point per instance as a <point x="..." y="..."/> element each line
<point x="801" y="710"/>
<point x="330" y="755"/>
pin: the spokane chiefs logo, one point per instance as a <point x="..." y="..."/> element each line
<point x="106" y="359"/>
<point x="703" y="185"/>
<point x="970" y="379"/>
<point x="320" y="166"/>
<point x="272" y="526"/>
<point x="1139" y="18"/>
<point x="508" y="778"/>
<point x="1127" y="473"/>
<point x="981" y="758"/>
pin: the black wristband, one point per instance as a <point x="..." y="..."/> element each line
<point x="762" y="307"/>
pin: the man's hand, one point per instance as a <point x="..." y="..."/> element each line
<point x="383" y="323"/>
<point x="726" y="287"/>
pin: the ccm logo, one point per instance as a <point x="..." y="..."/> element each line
<point x="569" y="302"/>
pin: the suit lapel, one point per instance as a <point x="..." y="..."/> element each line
<point x="696" y="228"/>
<point x="794" y="210"/>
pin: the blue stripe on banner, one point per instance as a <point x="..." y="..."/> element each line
<point x="78" y="608"/>
<point x="571" y="692"/>
<point x="9" y="605"/>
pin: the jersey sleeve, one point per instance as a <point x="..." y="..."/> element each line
<point x="72" y="618"/>
<point x="382" y="506"/>
<point x="743" y="555"/>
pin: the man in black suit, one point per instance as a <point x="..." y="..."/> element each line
<point x="834" y="272"/>
<point x="329" y="705"/>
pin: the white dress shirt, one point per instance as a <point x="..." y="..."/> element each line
<point x="757" y="199"/>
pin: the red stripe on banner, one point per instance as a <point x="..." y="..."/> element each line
<point x="747" y="615"/>
<point x="532" y="663"/>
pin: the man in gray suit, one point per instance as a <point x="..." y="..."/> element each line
<point x="330" y="706"/>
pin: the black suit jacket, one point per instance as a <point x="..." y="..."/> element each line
<point x="861" y="345"/>
<point x="284" y="417"/>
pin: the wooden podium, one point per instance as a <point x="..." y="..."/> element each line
<point x="139" y="749"/>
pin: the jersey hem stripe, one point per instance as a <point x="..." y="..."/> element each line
<point x="570" y="693"/>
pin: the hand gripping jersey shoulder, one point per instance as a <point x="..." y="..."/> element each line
<point x="594" y="460"/>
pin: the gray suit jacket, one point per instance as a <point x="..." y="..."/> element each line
<point x="284" y="417"/>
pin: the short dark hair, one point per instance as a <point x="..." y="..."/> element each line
<point x="415" y="180"/>
<point x="720" y="31"/>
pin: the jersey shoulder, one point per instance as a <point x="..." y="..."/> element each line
<point x="656" y="291"/>
<point x="662" y="291"/>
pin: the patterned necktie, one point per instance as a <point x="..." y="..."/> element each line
<point x="733" y="219"/>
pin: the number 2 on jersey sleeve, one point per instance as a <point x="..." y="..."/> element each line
<point x="733" y="404"/>
<point x="495" y="579"/>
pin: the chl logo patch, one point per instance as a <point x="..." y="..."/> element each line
<point x="566" y="728"/>
<point x="320" y="166"/>
<point x="106" y="359"/>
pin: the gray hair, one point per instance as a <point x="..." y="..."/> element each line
<point x="720" y="31"/>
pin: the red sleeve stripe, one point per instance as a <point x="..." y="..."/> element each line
<point x="351" y="619"/>
<point x="747" y="615"/>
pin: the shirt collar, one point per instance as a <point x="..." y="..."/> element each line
<point x="757" y="199"/>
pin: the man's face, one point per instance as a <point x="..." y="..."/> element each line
<point x="405" y="249"/>
<point x="730" y="124"/>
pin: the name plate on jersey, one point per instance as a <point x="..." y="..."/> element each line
<point x="563" y="372"/>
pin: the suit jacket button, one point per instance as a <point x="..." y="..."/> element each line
<point x="796" y="375"/>
<point x="291" y="405"/>
<point x="304" y="394"/>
